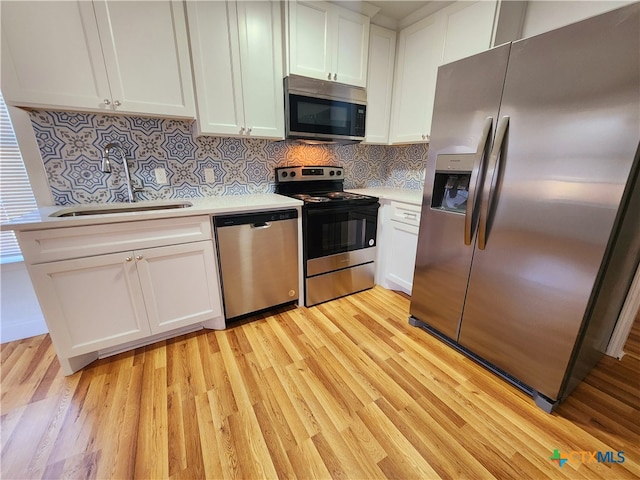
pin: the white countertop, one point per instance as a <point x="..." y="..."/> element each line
<point x="413" y="197"/>
<point x="219" y="205"/>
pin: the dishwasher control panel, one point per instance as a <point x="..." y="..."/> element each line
<point x="254" y="217"/>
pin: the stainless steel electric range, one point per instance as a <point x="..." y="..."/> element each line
<point x="339" y="231"/>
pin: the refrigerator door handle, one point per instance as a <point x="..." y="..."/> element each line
<point x="491" y="179"/>
<point x="474" y="181"/>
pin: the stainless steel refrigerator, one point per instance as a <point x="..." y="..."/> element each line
<point x="529" y="232"/>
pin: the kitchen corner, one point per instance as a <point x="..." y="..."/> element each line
<point x="115" y="281"/>
<point x="398" y="225"/>
<point x="168" y="165"/>
<point x="320" y="239"/>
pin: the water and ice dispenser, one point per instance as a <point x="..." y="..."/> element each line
<point x="451" y="185"/>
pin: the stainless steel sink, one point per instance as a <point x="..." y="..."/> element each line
<point x="111" y="209"/>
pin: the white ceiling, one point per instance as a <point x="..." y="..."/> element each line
<point x="399" y="9"/>
<point x="394" y="14"/>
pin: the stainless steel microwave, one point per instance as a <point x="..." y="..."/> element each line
<point x="323" y="111"/>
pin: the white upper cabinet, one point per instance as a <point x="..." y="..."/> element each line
<point x="328" y="42"/>
<point x="51" y="55"/>
<point x="237" y="63"/>
<point x="350" y="38"/>
<point x="541" y="17"/>
<point x="468" y="28"/>
<point x="382" y="54"/>
<point x="146" y="52"/>
<point x="129" y="57"/>
<point x="419" y="54"/>
<point x="457" y="31"/>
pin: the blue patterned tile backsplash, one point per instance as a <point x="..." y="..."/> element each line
<point x="71" y="147"/>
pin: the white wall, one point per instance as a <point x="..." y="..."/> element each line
<point x="20" y="314"/>
<point x="542" y="15"/>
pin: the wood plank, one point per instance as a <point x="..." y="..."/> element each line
<point x="344" y="389"/>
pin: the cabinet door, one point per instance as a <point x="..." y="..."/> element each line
<point x="419" y="55"/>
<point x="401" y="260"/>
<point x="91" y="303"/>
<point x="260" y="37"/>
<point x="309" y="45"/>
<point x="468" y="29"/>
<point x="180" y="285"/>
<point x="51" y="55"/>
<point x="146" y="52"/>
<point x="213" y="31"/>
<point x="349" y="39"/>
<point x="382" y="51"/>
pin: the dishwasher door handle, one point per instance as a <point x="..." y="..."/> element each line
<point x="261" y="225"/>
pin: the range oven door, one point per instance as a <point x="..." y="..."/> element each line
<point x="339" y="245"/>
<point x="334" y="230"/>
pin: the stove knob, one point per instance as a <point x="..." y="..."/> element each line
<point x="332" y="172"/>
<point x="284" y="174"/>
<point x="339" y="172"/>
<point x="293" y="174"/>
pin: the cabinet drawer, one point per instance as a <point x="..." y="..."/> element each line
<point x="405" y="213"/>
<point x="76" y="242"/>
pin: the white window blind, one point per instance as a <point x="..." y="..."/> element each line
<point x="16" y="196"/>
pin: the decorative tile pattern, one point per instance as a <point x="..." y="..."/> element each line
<point x="71" y="146"/>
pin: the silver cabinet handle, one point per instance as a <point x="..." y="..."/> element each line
<point x="411" y="216"/>
<point x="335" y="76"/>
<point x="490" y="180"/>
<point x="475" y="180"/>
<point x="249" y="131"/>
<point x="241" y="130"/>
<point x="329" y="76"/>
<point x="128" y="259"/>
<point x="107" y="101"/>
<point x="117" y="103"/>
<point x="139" y="257"/>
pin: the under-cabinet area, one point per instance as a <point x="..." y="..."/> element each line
<point x="115" y="279"/>
<point x="111" y="282"/>
<point x="104" y="286"/>
<point x="398" y="224"/>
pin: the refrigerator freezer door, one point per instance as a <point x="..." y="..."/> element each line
<point x="467" y="93"/>
<point x="572" y="97"/>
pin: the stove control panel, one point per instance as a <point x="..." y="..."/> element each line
<point x="306" y="173"/>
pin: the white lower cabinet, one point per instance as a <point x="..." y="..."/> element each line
<point x="399" y="229"/>
<point x="179" y="285"/>
<point x="108" y="300"/>
<point x="404" y="242"/>
<point x="91" y="303"/>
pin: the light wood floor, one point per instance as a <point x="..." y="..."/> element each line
<point x="342" y="390"/>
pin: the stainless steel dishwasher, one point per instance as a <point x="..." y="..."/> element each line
<point x="258" y="258"/>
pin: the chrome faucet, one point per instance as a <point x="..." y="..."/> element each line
<point x="106" y="168"/>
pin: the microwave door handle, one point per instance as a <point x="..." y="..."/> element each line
<point x="491" y="179"/>
<point x="475" y="180"/>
